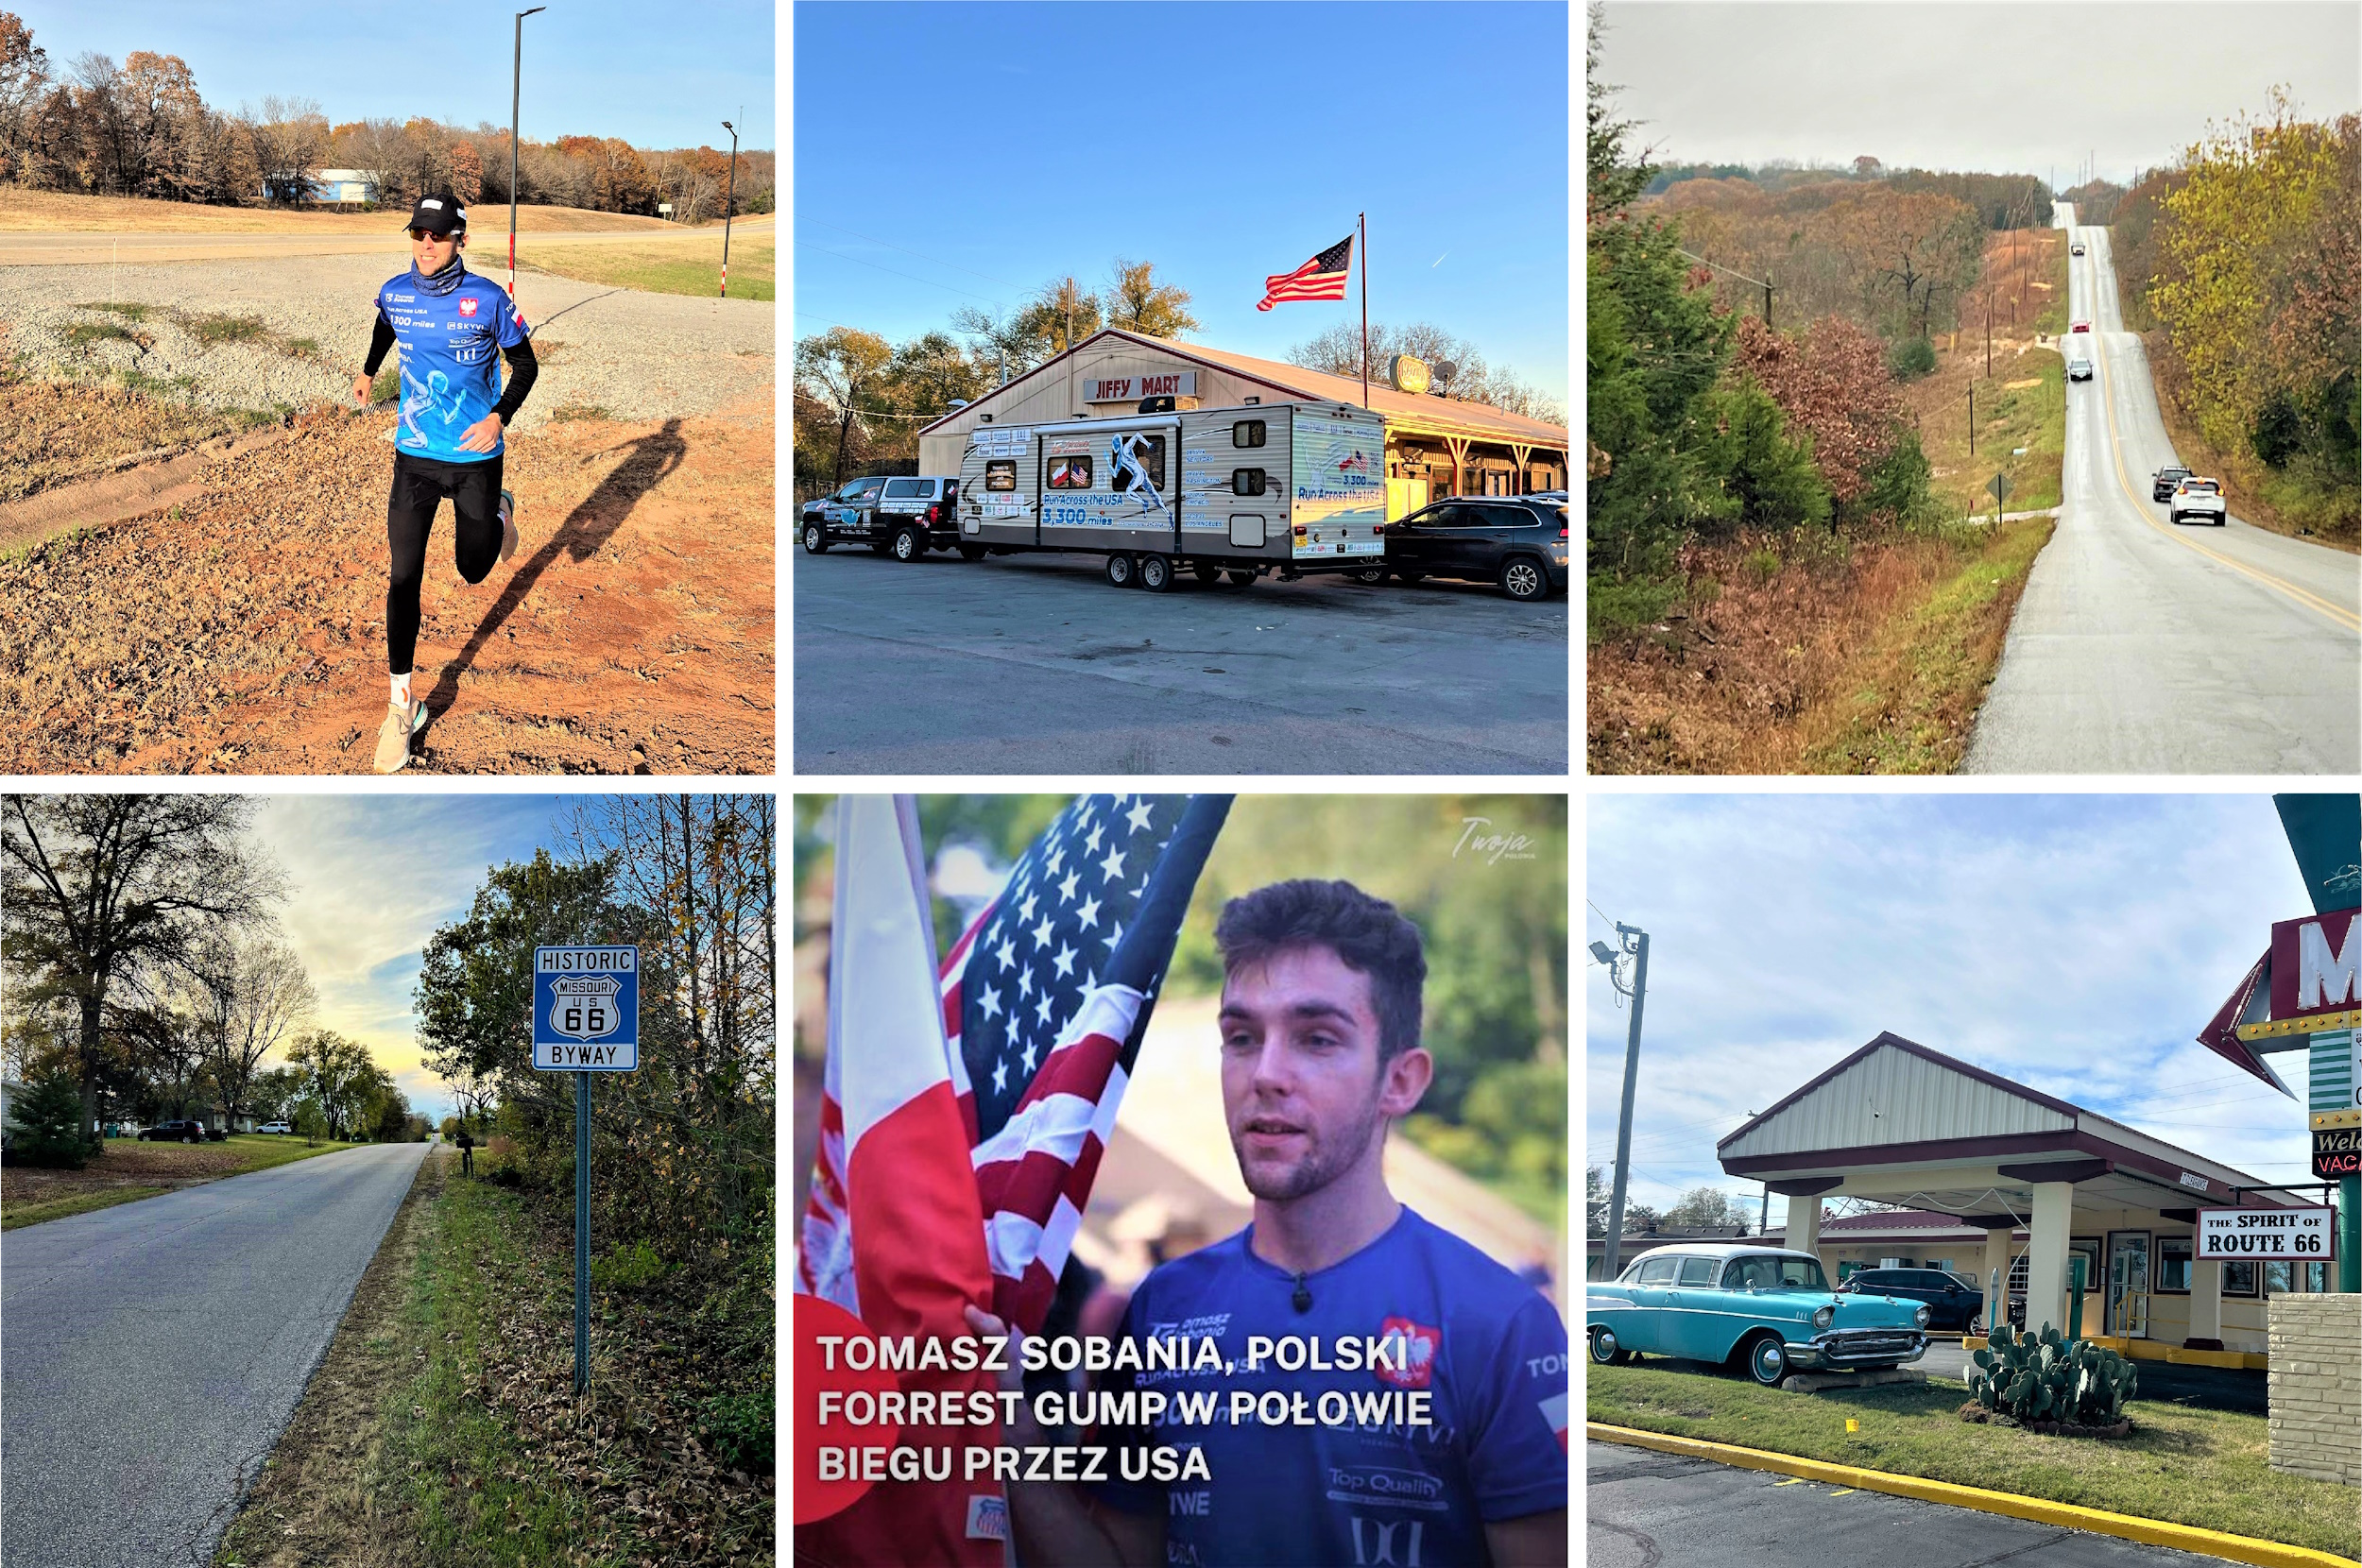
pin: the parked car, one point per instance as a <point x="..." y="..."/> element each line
<point x="175" y="1131"/>
<point x="2076" y="248"/>
<point x="275" y="1127"/>
<point x="2081" y="327"/>
<point x="2079" y="368"/>
<point x="840" y="512"/>
<point x="2160" y="483"/>
<point x="1518" y="543"/>
<point x="1952" y="1307"/>
<point x="1765" y="1309"/>
<point x="2198" y="498"/>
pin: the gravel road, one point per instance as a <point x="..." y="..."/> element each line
<point x="154" y="1351"/>
<point x="636" y="356"/>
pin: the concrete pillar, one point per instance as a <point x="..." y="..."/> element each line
<point x="2047" y="1256"/>
<point x="2206" y="1305"/>
<point x="1804" y="1225"/>
<point x="1994" y="1278"/>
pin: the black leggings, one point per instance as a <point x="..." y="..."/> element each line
<point x="420" y="486"/>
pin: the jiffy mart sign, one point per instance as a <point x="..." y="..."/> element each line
<point x="586" y="1009"/>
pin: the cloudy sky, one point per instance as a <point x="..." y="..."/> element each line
<point x="2073" y="943"/>
<point x="371" y="876"/>
<point x="2000" y="87"/>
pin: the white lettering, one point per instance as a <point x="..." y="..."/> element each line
<point x="2325" y="979"/>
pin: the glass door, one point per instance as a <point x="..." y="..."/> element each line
<point x="2128" y="1283"/>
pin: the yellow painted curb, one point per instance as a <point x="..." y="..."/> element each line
<point x="2234" y="1359"/>
<point x="2153" y="1532"/>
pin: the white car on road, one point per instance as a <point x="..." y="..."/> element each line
<point x="2197" y="497"/>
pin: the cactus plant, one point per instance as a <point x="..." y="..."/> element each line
<point x="2048" y="1377"/>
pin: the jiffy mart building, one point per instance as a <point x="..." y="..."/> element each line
<point x="1435" y="446"/>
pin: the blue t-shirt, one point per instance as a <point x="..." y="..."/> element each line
<point x="451" y="362"/>
<point x="1487" y="1346"/>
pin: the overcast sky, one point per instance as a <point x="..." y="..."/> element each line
<point x="2019" y="88"/>
<point x="2072" y="943"/>
<point x="655" y="76"/>
<point x="370" y="879"/>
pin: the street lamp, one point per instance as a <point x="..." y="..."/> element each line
<point x="1635" y="944"/>
<point x="728" y="201"/>
<point x="516" y="82"/>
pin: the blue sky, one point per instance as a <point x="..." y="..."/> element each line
<point x="985" y="149"/>
<point x="2073" y="943"/>
<point x="372" y="876"/>
<point x="658" y="76"/>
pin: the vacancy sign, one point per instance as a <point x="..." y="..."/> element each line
<point x="2304" y="1233"/>
<point x="586" y="1009"/>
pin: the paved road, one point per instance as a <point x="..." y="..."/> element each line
<point x="154" y="1351"/>
<point x="1647" y="1509"/>
<point x="1035" y="664"/>
<point x="2143" y="647"/>
<point x="489" y="243"/>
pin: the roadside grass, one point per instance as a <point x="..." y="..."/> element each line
<point x="130" y="1170"/>
<point x="58" y="211"/>
<point x="2207" y="1468"/>
<point x="2020" y="403"/>
<point x="1808" y="653"/>
<point x="689" y="262"/>
<point x="213" y="327"/>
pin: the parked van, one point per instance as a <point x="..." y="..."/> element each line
<point x="1289" y="487"/>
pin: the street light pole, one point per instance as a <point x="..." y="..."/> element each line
<point x="516" y="87"/>
<point x="729" y="201"/>
<point x="1637" y="944"/>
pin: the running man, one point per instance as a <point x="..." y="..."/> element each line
<point x="453" y="327"/>
<point x="1320" y="1050"/>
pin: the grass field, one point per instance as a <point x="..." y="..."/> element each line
<point x="130" y="1170"/>
<point x="51" y="211"/>
<point x="2021" y="402"/>
<point x="2207" y="1468"/>
<point x="690" y="263"/>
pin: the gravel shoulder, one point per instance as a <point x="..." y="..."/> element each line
<point x="292" y="332"/>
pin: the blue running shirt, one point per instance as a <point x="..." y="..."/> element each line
<point x="450" y="367"/>
<point x="1487" y="1346"/>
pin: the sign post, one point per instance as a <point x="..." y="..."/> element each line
<point x="586" y="1020"/>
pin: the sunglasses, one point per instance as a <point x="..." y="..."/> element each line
<point x="429" y="234"/>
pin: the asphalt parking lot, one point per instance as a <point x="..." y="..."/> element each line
<point x="1647" y="1509"/>
<point x="1035" y="664"/>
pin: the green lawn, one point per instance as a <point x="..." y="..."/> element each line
<point x="690" y="264"/>
<point x="2205" y="1468"/>
<point x="131" y="1170"/>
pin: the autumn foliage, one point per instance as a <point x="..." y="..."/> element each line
<point x="1833" y="383"/>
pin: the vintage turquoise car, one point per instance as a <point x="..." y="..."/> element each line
<point x="1768" y="1309"/>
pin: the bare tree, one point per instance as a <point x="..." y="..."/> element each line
<point x="102" y="897"/>
<point x="250" y="997"/>
<point x="290" y="134"/>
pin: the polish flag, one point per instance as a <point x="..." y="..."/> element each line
<point x="894" y="1231"/>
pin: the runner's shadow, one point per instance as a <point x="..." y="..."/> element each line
<point x="650" y="460"/>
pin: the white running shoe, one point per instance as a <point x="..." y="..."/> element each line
<point x="508" y="525"/>
<point x="402" y="720"/>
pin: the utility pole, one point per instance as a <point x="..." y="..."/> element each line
<point x="1972" y="422"/>
<point x="1989" y="335"/>
<point x="516" y="87"/>
<point x="1635" y="943"/>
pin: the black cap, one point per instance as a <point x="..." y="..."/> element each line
<point x="439" y="213"/>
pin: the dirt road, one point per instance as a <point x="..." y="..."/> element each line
<point x="244" y="630"/>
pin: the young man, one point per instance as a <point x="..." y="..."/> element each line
<point x="453" y="327"/>
<point x="1320" y="1050"/>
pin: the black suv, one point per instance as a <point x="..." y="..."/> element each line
<point x="1952" y="1307"/>
<point x="2160" y="483"/>
<point x="1518" y="543"/>
<point x="175" y="1131"/>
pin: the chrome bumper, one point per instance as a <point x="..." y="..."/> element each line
<point x="1844" y="1349"/>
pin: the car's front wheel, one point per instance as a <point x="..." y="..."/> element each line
<point x="1767" y="1360"/>
<point x="1523" y="578"/>
<point x="815" y="538"/>
<point x="1606" y="1349"/>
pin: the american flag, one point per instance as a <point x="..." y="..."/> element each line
<point x="1045" y="999"/>
<point x="1322" y="278"/>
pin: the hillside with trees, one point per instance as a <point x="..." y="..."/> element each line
<point x="92" y="126"/>
<point x="2239" y="266"/>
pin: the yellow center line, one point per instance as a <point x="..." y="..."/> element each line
<point x="2337" y="613"/>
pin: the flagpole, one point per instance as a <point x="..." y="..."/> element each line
<point x="1362" y="230"/>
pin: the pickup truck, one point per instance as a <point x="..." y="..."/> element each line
<point x="2197" y="497"/>
<point x="904" y="517"/>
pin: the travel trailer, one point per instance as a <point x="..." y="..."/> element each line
<point x="1285" y="488"/>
